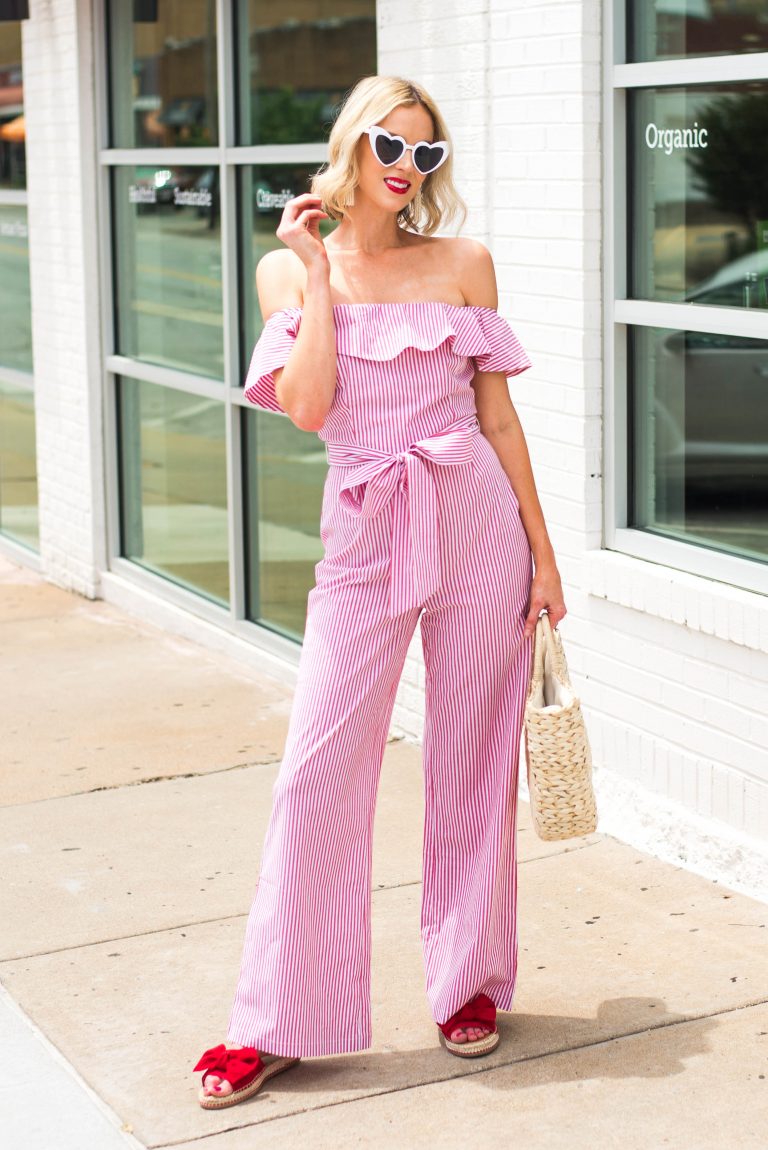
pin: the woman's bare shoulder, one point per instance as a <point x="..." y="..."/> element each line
<point x="280" y="278"/>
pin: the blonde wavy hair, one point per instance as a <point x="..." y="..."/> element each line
<point x="371" y="99"/>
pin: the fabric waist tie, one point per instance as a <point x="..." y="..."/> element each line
<point x="374" y="478"/>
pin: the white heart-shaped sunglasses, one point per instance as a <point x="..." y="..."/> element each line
<point x="388" y="149"/>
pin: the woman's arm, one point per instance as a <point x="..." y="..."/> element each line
<point x="305" y="387"/>
<point x="500" y="424"/>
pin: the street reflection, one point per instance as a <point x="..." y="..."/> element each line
<point x="173" y="486"/>
<point x="168" y="260"/>
<point x="701" y="437"/>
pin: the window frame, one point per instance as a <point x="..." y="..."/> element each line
<point x="621" y="313"/>
<point x="14" y="548"/>
<point x="228" y="157"/>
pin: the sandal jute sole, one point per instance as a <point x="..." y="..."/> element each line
<point x="219" y="1102"/>
<point x="472" y="1049"/>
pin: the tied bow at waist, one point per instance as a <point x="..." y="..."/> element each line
<point x="374" y="478"/>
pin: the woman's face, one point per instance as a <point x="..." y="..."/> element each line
<point x="393" y="188"/>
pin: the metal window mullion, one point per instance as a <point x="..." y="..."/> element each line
<point x="166" y="377"/>
<point x="18" y="380"/>
<point x="744" y="322"/>
<point x="14" y="197"/>
<point x="230" y="295"/>
<point x="693" y="70"/>
<point x="278" y="154"/>
<point x="155" y="157"/>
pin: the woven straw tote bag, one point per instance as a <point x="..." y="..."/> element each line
<point x="557" y="750"/>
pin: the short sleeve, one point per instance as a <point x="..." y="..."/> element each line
<point x="503" y="351"/>
<point x="271" y="352"/>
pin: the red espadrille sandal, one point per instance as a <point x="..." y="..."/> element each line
<point x="480" y="1013"/>
<point x="244" y="1069"/>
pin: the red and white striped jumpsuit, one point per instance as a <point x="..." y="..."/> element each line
<point x="419" y="521"/>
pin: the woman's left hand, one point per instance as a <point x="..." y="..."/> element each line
<point x="546" y="595"/>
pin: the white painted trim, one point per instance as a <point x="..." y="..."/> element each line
<point x="700" y="559"/>
<point x="648" y="821"/>
<point x="695" y="70"/>
<point x="183" y="613"/>
<point x="18" y="553"/>
<point x="716" y="608"/>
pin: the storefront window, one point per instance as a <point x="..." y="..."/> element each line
<point x="285" y="470"/>
<point x="168" y="256"/>
<point x="164" y="81"/>
<point x="12" y="134"/>
<point x="15" y="306"/>
<point x="292" y="64"/>
<point x="173" y="486"/>
<point x="18" y="468"/>
<point x="665" y="29"/>
<point x="296" y="61"/>
<point x="700" y="407"/>
<point x="699" y="212"/>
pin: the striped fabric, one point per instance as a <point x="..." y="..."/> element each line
<point x="419" y="525"/>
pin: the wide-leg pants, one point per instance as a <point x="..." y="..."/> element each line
<point x="304" y="982"/>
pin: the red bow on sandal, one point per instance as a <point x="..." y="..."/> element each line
<point x="480" y="1013"/>
<point x="244" y="1069"/>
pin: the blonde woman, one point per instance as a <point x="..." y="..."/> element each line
<point x="385" y="340"/>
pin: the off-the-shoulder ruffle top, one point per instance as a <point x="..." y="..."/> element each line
<point x="402" y="421"/>
<point x="402" y="368"/>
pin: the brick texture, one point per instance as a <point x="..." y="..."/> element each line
<point x="58" y="107"/>
<point x="673" y="673"/>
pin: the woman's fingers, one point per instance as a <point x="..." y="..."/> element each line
<point x="299" y="226"/>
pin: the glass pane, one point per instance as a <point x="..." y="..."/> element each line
<point x="700" y="415"/>
<point x="13" y="168"/>
<point x="264" y="192"/>
<point x="698" y="206"/>
<point x="285" y="470"/>
<point x="15" y="304"/>
<point x="663" y="29"/>
<point x="296" y="60"/>
<point x="174" y="486"/>
<point x="163" y="80"/>
<point x="168" y="260"/>
<point x="18" y="466"/>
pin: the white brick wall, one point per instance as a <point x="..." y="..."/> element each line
<point x="672" y="669"/>
<point x="58" y="108"/>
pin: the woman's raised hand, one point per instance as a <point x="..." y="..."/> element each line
<point x="299" y="228"/>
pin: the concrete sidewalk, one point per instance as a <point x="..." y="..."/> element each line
<point x="135" y="789"/>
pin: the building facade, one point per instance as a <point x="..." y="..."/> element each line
<point x="611" y="153"/>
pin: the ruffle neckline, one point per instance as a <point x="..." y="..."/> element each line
<point x="380" y="331"/>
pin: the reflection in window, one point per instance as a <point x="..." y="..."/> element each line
<point x="168" y="257"/>
<point x="698" y="207"/>
<point x="263" y="194"/>
<point x="700" y="417"/>
<point x="285" y="470"/>
<point x="13" y="173"/>
<point x="297" y="59"/>
<point x="15" y="303"/>
<point x="173" y="486"/>
<point x="163" y="73"/>
<point x="660" y="30"/>
<point x="18" y="466"/>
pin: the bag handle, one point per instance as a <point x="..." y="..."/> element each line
<point x="552" y="639"/>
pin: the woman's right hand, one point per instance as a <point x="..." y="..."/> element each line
<point x="299" y="228"/>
